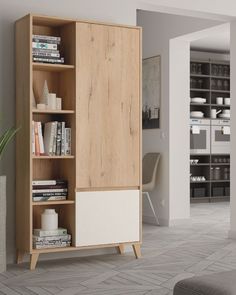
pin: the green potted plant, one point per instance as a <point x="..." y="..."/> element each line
<point x="4" y="140"/>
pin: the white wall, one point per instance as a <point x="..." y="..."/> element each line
<point x="158" y="29"/>
<point x="123" y="11"/>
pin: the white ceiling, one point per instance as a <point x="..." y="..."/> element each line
<point x="219" y="42"/>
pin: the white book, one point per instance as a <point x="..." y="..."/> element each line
<point x="60" y="238"/>
<point x="41" y="143"/>
<point x="67" y="141"/>
<point x="33" y="139"/>
<point x="54" y="147"/>
<point x="44" y="182"/>
<point x="49" y="137"/>
<point x="49" y="233"/>
<point x="63" y="138"/>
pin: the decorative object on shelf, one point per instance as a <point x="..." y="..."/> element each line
<point x="198" y="178"/>
<point x="151" y="92"/>
<point x="198" y="100"/>
<point x="49" y="220"/>
<point x="52" y="101"/>
<point x="194" y="161"/>
<point x="227" y="101"/>
<point x="4" y="140"/>
<point x="45" y="92"/>
<point x="41" y="106"/>
<point x="214" y="113"/>
<point x="196" y="114"/>
<point x="59" y="103"/>
<point x="225" y="114"/>
<point x="219" y="100"/>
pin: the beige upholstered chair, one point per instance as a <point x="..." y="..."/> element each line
<point x="150" y="164"/>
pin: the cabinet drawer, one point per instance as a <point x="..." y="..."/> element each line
<point x="107" y="217"/>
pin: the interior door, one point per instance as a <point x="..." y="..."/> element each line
<point x="108" y="104"/>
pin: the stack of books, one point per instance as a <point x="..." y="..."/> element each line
<point x="51" y="239"/>
<point x="49" y="190"/>
<point x="54" y="141"/>
<point x="46" y="49"/>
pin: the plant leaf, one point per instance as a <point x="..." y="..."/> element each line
<point x="6" y="138"/>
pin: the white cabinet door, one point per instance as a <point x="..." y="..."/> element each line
<point x="107" y="217"/>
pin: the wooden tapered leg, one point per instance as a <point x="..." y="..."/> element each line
<point x="19" y="256"/>
<point x="33" y="260"/>
<point x="121" y="249"/>
<point x="137" y="250"/>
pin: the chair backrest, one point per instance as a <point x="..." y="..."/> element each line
<point x="150" y="164"/>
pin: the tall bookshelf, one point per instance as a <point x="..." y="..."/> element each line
<point x="71" y="82"/>
<point x="210" y="91"/>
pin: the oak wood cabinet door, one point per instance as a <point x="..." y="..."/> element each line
<point x="108" y="104"/>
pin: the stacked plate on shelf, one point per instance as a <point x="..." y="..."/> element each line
<point x="198" y="100"/>
<point x="196" y="114"/>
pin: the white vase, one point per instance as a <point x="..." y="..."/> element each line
<point x="49" y="220"/>
<point x="3" y="214"/>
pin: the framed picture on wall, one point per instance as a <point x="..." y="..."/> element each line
<point x="151" y="92"/>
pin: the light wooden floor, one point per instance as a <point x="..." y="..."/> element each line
<point x="169" y="254"/>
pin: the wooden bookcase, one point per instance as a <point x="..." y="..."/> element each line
<point x="100" y="86"/>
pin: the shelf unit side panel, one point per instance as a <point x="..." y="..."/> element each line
<point x="23" y="34"/>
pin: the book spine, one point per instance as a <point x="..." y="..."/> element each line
<point x="53" y="198"/>
<point x="58" y="245"/>
<point x="37" y="40"/>
<point x="44" y="51"/>
<point x="48" y="38"/>
<point x="62" y="238"/>
<point x="54" y="135"/>
<point x="60" y="190"/>
<point x="58" y="142"/>
<point x="49" y="60"/>
<point x="63" y="138"/>
<point x="46" y="233"/>
<point x="68" y="141"/>
<point x="42" y="45"/>
<point x="49" y="182"/>
<point x="33" y="139"/>
<point x="48" y="187"/>
<point x="37" y="147"/>
<point x="41" y="144"/>
<point x="50" y="194"/>
<point x="45" y="54"/>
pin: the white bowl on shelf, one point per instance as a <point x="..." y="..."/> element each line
<point x="196" y="114"/>
<point x="198" y="100"/>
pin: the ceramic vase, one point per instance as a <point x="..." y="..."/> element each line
<point x="44" y="97"/>
<point x="49" y="220"/>
<point x="3" y="223"/>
